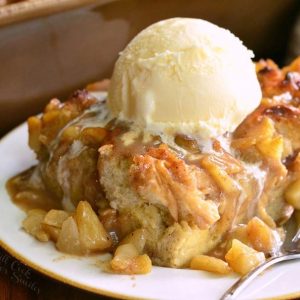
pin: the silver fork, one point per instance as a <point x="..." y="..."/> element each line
<point x="290" y="250"/>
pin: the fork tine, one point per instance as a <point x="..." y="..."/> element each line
<point x="244" y="281"/>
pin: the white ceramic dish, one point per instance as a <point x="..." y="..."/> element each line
<point x="281" y="282"/>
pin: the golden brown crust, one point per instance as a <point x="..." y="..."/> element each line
<point x="275" y="81"/>
<point x="44" y="130"/>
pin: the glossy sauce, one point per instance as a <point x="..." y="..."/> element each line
<point x="29" y="195"/>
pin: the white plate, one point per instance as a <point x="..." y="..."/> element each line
<point x="162" y="283"/>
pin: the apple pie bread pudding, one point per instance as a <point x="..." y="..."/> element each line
<point x="190" y="160"/>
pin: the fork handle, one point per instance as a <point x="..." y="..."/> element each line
<point x="245" y="280"/>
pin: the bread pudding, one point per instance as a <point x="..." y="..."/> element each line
<point x="216" y="203"/>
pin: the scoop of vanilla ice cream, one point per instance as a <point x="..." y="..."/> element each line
<point x="187" y="76"/>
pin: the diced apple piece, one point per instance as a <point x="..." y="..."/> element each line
<point x="33" y="224"/>
<point x="70" y="134"/>
<point x="271" y="147"/>
<point x="92" y="234"/>
<point x="242" y="259"/>
<point x="292" y="194"/>
<point x="93" y="136"/>
<point x="53" y="232"/>
<point x="68" y="239"/>
<point x="260" y="235"/>
<point x="136" y="238"/>
<point x="53" y="221"/>
<point x="128" y="261"/>
<point x="126" y="251"/>
<point x="262" y="130"/>
<point x="210" y="264"/>
<point x="34" y="128"/>
<point x="56" y="217"/>
<point x="239" y="233"/>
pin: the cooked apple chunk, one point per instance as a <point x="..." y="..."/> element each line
<point x="292" y="194"/>
<point x="81" y="233"/>
<point x="128" y="261"/>
<point x="33" y="224"/>
<point x="136" y="238"/>
<point x="68" y="238"/>
<point x="210" y="264"/>
<point x="242" y="259"/>
<point x="92" y="234"/>
<point x="260" y="236"/>
<point x="53" y="221"/>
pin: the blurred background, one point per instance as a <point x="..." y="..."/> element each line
<point x="50" y="48"/>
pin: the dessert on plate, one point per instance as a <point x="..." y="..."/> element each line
<point x="188" y="157"/>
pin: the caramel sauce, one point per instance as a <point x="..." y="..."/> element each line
<point x="27" y="195"/>
<point x="135" y="147"/>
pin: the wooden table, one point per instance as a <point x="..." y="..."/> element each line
<point x="19" y="282"/>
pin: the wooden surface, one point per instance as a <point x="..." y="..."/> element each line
<point x="19" y="282"/>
